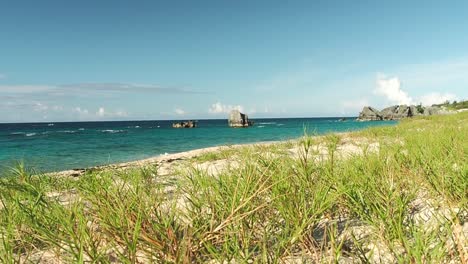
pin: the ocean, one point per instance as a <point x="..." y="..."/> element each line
<point x="59" y="146"/>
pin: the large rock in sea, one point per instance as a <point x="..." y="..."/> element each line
<point x="369" y="114"/>
<point x="238" y="119"/>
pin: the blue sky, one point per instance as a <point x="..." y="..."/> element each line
<point x="132" y="60"/>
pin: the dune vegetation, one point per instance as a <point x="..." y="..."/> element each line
<point x="455" y="105"/>
<point x="396" y="194"/>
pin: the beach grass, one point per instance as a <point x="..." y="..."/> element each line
<point x="402" y="198"/>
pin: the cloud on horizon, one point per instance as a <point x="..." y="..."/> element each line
<point x="219" y="108"/>
<point x="126" y="87"/>
<point x="390" y="88"/>
<point x="101" y="113"/>
<point x="24" y="103"/>
<point x="436" y="98"/>
<point x="66" y="89"/>
<point x="179" y="111"/>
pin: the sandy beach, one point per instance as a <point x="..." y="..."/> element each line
<point x="158" y="160"/>
<point x="347" y="147"/>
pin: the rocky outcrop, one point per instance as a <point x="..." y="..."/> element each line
<point x="186" y="124"/>
<point x="369" y="114"/>
<point x="397" y="112"/>
<point x="434" y="110"/>
<point x="238" y="119"/>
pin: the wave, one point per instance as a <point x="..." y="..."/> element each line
<point x="280" y="125"/>
<point x="260" y="126"/>
<point x="267" y="123"/>
<point x="23" y="134"/>
<point x="81" y="129"/>
<point x="17" y="133"/>
<point x="111" y="131"/>
<point x="67" y="131"/>
<point x="50" y="124"/>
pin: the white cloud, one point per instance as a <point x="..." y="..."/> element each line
<point x="219" y="108"/>
<point x="91" y="89"/>
<point x="101" y="112"/>
<point x="179" y="111"/>
<point x="25" y="89"/>
<point x="391" y="89"/>
<point x="120" y="114"/>
<point x="436" y="98"/>
<point x="81" y="111"/>
<point x="85" y="114"/>
<point x="41" y="107"/>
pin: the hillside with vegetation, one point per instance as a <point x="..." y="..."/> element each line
<point x="396" y="194"/>
<point x="454" y="105"/>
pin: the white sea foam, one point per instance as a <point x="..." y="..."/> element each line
<point x="267" y="123"/>
<point x="50" y="124"/>
<point x="67" y="131"/>
<point x="280" y="124"/>
<point x="30" y="134"/>
<point x="80" y="129"/>
<point x="111" y="131"/>
<point x="17" y="133"/>
<point x="260" y="126"/>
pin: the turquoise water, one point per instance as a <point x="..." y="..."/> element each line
<point x="59" y="146"/>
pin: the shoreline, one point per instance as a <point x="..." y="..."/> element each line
<point x="184" y="155"/>
<point x="163" y="158"/>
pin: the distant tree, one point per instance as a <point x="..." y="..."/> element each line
<point x="447" y="102"/>
<point x="454" y="102"/>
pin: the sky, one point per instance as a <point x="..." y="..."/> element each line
<point x="152" y="60"/>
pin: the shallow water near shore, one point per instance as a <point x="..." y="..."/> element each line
<point x="60" y="146"/>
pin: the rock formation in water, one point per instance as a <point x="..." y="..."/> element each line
<point x="238" y="119"/>
<point x="186" y="124"/>
<point x="369" y="114"/>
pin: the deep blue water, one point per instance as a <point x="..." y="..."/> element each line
<point x="60" y="146"/>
